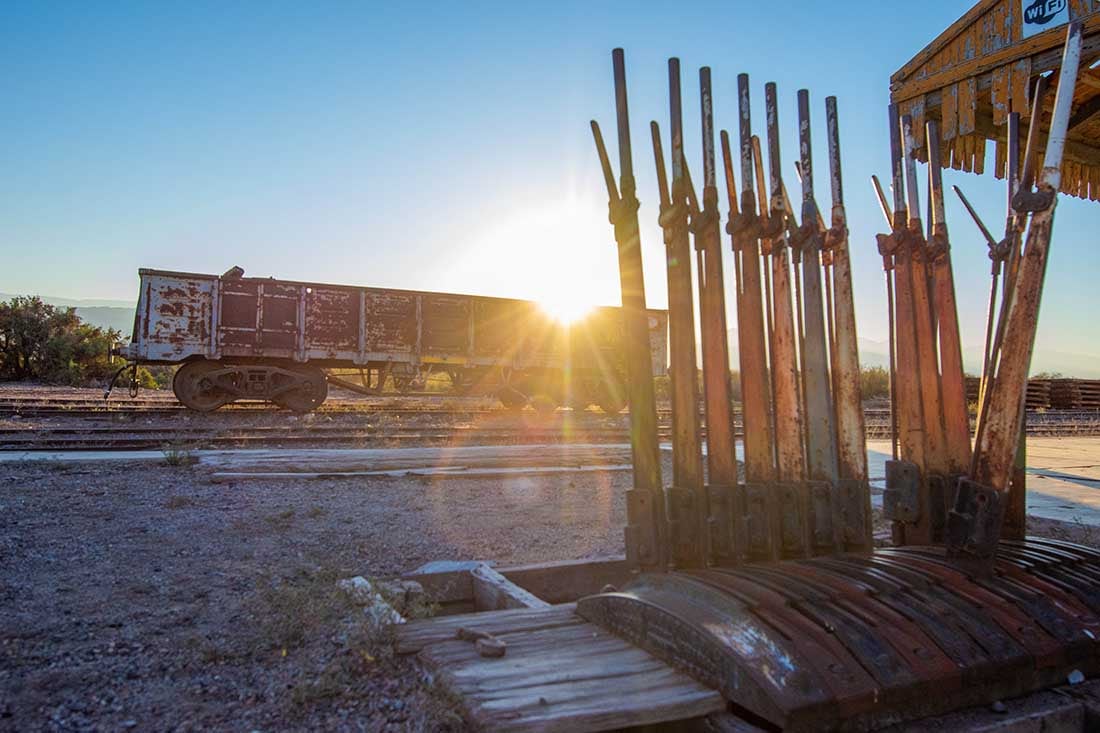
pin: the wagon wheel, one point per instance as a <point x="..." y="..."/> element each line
<point x="544" y="404"/>
<point x="195" y="390"/>
<point x="611" y="397"/>
<point x="578" y="398"/>
<point x="512" y="398"/>
<point x="308" y="395"/>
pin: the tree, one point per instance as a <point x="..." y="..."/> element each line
<point x="41" y="341"/>
<point x="874" y="382"/>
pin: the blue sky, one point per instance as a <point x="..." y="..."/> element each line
<point x="440" y="147"/>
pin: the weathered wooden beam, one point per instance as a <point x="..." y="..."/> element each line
<point x="494" y="592"/>
<point x="1038" y="45"/>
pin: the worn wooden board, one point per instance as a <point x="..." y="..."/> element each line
<point x="573" y="677"/>
<point x="416" y="635"/>
<point x="494" y="592"/>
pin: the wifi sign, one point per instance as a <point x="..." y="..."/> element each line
<point x="1040" y="15"/>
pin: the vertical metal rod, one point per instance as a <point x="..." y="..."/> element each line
<point x="687" y="495"/>
<point x="755" y="392"/>
<point x="910" y="409"/>
<point x="854" y="491"/>
<point x="885" y="249"/>
<point x="956" y="419"/>
<point x="785" y="374"/>
<point x="759" y="464"/>
<point x="821" y="435"/>
<point x="935" y="461"/>
<point x="645" y="540"/>
<point x="721" y="461"/>
<point x="766" y="244"/>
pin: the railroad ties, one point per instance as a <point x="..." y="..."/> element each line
<point x="783" y="605"/>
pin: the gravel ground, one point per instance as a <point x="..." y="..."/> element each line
<point x="147" y="597"/>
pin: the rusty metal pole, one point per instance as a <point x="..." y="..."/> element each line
<point x="826" y="514"/>
<point x="906" y="497"/>
<point x="885" y="250"/>
<point x="686" y="498"/>
<point x="976" y="520"/>
<point x="721" y="457"/>
<point x="790" y="453"/>
<point x="762" y="502"/>
<point x="773" y="228"/>
<point x="645" y="531"/>
<point x="953" y="384"/>
<point x="854" y="489"/>
<point x="935" y="459"/>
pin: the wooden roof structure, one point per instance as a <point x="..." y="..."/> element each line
<point x="981" y="68"/>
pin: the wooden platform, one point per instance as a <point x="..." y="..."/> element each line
<point x="559" y="673"/>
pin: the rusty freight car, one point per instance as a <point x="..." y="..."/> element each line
<point x="242" y="337"/>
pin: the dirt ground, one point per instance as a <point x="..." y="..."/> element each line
<point x="147" y="597"/>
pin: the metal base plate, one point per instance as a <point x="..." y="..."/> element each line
<point x="860" y="641"/>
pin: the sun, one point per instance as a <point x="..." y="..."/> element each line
<point x="565" y="310"/>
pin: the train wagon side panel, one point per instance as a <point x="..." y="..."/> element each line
<point x="389" y="324"/>
<point x="183" y="316"/>
<point x="175" y="317"/>
<point x="330" y="318"/>
<point x="258" y="318"/>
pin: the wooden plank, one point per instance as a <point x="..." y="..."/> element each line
<point x="575" y="678"/>
<point x="416" y="635"/>
<point x="494" y="592"/>
<point x="967" y="105"/>
<point x="979" y="154"/>
<point x="561" y="582"/>
<point x="949" y="111"/>
<point x="1018" y="83"/>
<point x="999" y="95"/>
<point x="1000" y="153"/>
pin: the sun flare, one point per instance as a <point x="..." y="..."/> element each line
<point x="565" y="310"/>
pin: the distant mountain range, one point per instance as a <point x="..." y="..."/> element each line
<point x="116" y="314"/>
<point x="877" y="353"/>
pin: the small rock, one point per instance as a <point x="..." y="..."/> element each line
<point x="490" y="647"/>
<point x="129" y="724"/>
<point x="998" y="707"/>
<point x="1075" y="677"/>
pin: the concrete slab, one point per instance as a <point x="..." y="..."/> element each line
<point x="1063" y="477"/>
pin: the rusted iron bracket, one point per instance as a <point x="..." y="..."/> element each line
<point x="974" y="524"/>
<point x="901" y="500"/>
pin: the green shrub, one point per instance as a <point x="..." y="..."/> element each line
<point x="874" y="382"/>
<point x="40" y="341"/>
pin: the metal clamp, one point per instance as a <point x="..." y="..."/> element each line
<point x="1035" y="201"/>
<point x="901" y="499"/>
<point x="974" y="525"/>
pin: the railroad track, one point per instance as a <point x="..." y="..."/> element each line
<point x="187" y="437"/>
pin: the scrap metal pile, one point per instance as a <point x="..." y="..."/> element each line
<point x="767" y="586"/>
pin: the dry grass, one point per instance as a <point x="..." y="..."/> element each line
<point x="179" y="502"/>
